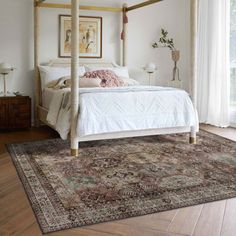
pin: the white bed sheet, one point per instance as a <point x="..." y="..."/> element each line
<point x="130" y="108"/>
<point x="47" y="96"/>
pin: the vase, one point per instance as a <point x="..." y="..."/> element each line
<point x="175" y="57"/>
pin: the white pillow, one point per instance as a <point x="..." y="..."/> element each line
<point x="89" y="83"/>
<point x="119" y="71"/>
<point x="129" y="81"/>
<point x="49" y="74"/>
<point x="65" y="82"/>
<point x="84" y="82"/>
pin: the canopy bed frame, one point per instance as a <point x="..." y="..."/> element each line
<point x="40" y="112"/>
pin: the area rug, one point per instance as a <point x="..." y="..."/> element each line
<point x="117" y="179"/>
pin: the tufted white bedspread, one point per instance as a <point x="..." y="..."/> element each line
<point x="105" y="110"/>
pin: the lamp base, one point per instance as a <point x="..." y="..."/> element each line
<point x="150" y="76"/>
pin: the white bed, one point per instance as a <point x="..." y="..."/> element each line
<point x="47" y="96"/>
<point x="106" y="111"/>
<point x="109" y="113"/>
<point x="41" y="112"/>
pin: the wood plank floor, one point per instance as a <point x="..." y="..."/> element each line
<point x="17" y="218"/>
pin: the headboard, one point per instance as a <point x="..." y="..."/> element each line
<point x="67" y="63"/>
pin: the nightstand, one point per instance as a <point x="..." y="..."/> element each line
<point x="15" y="112"/>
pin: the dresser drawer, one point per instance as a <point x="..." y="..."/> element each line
<point x="16" y="112"/>
<point x="3" y="114"/>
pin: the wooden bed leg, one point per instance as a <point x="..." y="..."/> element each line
<point x="75" y="152"/>
<point x="193" y="136"/>
<point x="74" y="144"/>
<point x="192" y="140"/>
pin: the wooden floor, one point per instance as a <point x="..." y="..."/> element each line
<point x="17" y="218"/>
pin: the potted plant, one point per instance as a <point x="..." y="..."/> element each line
<point x="164" y="41"/>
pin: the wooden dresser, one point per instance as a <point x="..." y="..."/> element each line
<point x="15" y="112"/>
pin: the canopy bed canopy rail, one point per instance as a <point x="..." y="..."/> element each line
<point x="40" y="3"/>
<point x="88" y="8"/>
<point x="143" y="4"/>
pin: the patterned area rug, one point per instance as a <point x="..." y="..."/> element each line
<point x="116" y="179"/>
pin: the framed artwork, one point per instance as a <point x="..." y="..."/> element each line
<point x="90" y="36"/>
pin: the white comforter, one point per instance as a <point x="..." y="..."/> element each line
<point x="104" y="110"/>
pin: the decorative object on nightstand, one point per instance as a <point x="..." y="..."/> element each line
<point x="164" y="41"/>
<point x="175" y="57"/>
<point x="15" y="112"/>
<point x="150" y="68"/>
<point x="5" y="69"/>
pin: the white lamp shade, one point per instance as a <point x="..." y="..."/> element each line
<point x="150" y="67"/>
<point x="5" y="68"/>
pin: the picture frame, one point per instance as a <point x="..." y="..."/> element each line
<point x="90" y="36"/>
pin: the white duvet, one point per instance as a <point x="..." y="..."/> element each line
<point x="104" y="110"/>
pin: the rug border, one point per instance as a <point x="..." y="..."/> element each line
<point x="12" y="153"/>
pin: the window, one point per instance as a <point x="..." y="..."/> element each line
<point x="233" y="61"/>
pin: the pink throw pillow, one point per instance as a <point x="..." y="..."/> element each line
<point x="108" y="78"/>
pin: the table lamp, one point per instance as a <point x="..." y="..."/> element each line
<point x="5" y="69"/>
<point x="150" y="68"/>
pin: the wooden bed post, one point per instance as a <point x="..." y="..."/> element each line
<point x="36" y="63"/>
<point x="74" y="77"/>
<point x="125" y="32"/>
<point x="193" y="84"/>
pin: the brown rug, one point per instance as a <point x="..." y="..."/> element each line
<point x="116" y="179"/>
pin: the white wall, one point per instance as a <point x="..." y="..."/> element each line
<point x="144" y="28"/>
<point x="16" y="43"/>
<point x="16" y="39"/>
<point x="49" y="21"/>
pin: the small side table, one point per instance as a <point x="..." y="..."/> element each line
<point x="15" y="112"/>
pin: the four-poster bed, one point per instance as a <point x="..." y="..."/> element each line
<point x="41" y="112"/>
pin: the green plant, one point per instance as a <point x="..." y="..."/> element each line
<point x="164" y="41"/>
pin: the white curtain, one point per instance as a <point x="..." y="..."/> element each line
<point x="214" y="62"/>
